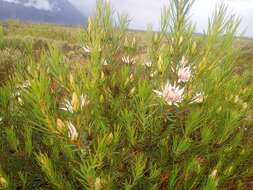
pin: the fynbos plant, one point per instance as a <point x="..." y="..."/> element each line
<point x="173" y="116"/>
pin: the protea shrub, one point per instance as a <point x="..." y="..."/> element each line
<point x="172" y="115"/>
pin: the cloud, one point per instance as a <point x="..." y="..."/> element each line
<point x="12" y="1"/>
<point x="39" y="4"/>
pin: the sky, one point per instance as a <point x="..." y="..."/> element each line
<point x="144" y="12"/>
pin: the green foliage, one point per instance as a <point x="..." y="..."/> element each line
<point x="176" y="116"/>
<point x="12" y="139"/>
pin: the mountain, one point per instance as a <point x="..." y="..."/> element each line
<point x="51" y="11"/>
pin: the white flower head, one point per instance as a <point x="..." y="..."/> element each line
<point x="86" y="49"/>
<point x="72" y="132"/>
<point x="20" y="101"/>
<point x="183" y="71"/>
<point x="214" y="173"/>
<point x="153" y="74"/>
<point x="26" y="84"/>
<point x="17" y="96"/>
<point x="104" y="62"/>
<point x="67" y="106"/>
<point x="17" y="93"/>
<point x="148" y="64"/>
<point x="183" y="62"/>
<point x="1" y="119"/>
<point x="184" y="74"/>
<point x="172" y="94"/>
<point x="198" y="98"/>
<point x="83" y="101"/>
<point x="128" y="60"/>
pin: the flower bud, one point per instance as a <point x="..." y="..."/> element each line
<point x="71" y="80"/>
<point x="3" y="183"/>
<point x="101" y="99"/>
<point x="134" y="43"/>
<point x="98" y="184"/>
<point x="60" y="125"/>
<point x="180" y="40"/>
<point x="132" y="91"/>
<point x="214" y="173"/>
<point x="244" y="106"/>
<point x="127" y="81"/>
<point x="160" y="64"/>
<point x="194" y="47"/>
<point x="75" y="101"/>
<point x="89" y="24"/>
<point x="102" y="76"/>
<point x="109" y="138"/>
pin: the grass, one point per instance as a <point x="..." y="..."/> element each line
<point x="20" y="29"/>
<point x="67" y="38"/>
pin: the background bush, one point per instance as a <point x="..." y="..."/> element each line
<point x="103" y="124"/>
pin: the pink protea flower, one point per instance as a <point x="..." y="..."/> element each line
<point x="183" y="71"/>
<point x="172" y="94"/>
<point x="184" y="74"/>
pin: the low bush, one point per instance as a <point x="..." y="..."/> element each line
<point x="9" y="58"/>
<point x="176" y="116"/>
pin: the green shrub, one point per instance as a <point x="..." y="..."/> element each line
<point x="175" y="117"/>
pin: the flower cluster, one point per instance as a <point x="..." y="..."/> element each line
<point x="173" y="94"/>
<point x="128" y="60"/>
<point x="26" y="84"/>
<point x="87" y="49"/>
<point x="75" y="103"/>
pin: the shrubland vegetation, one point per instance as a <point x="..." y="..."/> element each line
<point x="175" y="113"/>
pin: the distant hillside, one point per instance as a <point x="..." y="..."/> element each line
<point x="50" y="11"/>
